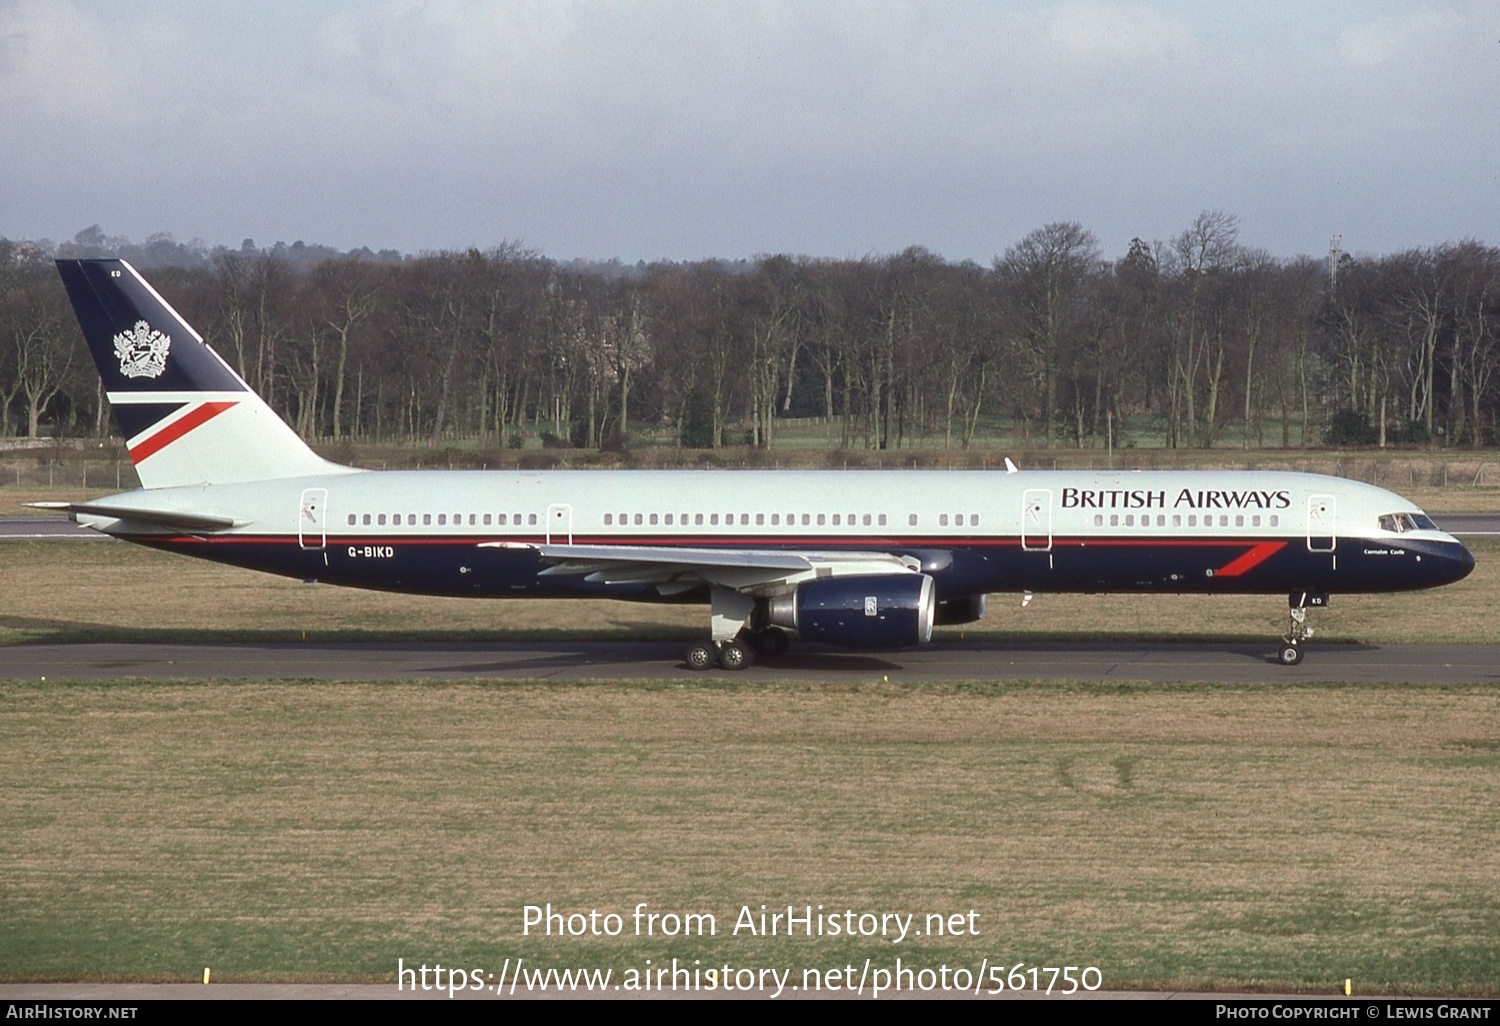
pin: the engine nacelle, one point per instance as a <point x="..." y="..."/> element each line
<point x="960" y="610"/>
<point x="885" y="611"/>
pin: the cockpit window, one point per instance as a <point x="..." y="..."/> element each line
<point x="1400" y="523"/>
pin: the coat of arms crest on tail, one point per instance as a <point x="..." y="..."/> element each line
<point x="142" y="351"/>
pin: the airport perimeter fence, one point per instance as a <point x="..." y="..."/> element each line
<point x="77" y="475"/>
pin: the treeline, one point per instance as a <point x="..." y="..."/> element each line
<point x="1193" y="342"/>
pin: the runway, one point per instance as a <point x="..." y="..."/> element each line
<point x="42" y="526"/>
<point x="658" y="661"/>
<point x="1252" y="663"/>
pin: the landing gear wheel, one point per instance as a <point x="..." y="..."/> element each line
<point x="1290" y="655"/>
<point x="702" y="656"/>
<point x="773" y="642"/>
<point x="736" y="655"/>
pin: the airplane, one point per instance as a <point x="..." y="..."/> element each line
<point x="865" y="559"/>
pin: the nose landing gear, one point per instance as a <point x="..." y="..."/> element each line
<point x="1298" y="631"/>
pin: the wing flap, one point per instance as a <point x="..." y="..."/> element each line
<point x="680" y="569"/>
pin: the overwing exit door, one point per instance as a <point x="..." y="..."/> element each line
<point x="1036" y="520"/>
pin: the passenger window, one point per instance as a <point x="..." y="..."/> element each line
<point x="942" y="520"/>
<point x="837" y="520"/>
<point x="652" y="520"/>
<point x="1255" y="520"/>
<point x="1176" y="519"/>
<point x="609" y="518"/>
<point x="760" y="518"/>
<point x="380" y="519"/>
<point x="882" y="520"/>
<point x="1192" y="520"/>
<point x="639" y="519"/>
<point x="1239" y="520"/>
<point x="427" y="519"/>
<point x="713" y="518"/>
<point x="974" y="520"/>
<point x="806" y="519"/>
<point x="1275" y="520"/>
<point x="911" y="519"/>
<point x="1129" y="519"/>
<point x="472" y="519"/>
<point x="668" y="520"/>
<point x="698" y="519"/>
<point x="775" y="519"/>
<point x="367" y="520"/>
<point x="500" y="519"/>
<point x="531" y="519"/>
<point x="442" y="519"/>
<point x="867" y="520"/>
<point x="1114" y="520"/>
<point x="1098" y="519"/>
<point x="1223" y="519"/>
<point x="352" y="519"/>
<point x="821" y="519"/>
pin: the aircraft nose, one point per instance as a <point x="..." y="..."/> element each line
<point x="1456" y="560"/>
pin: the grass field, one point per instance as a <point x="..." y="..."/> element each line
<point x="1174" y="836"/>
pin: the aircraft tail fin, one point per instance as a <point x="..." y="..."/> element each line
<point x="187" y="417"/>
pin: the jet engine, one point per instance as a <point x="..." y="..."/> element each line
<point x="882" y="611"/>
<point x="960" y="610"/>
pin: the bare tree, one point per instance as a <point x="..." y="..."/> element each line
<point x="1044" y="273"/>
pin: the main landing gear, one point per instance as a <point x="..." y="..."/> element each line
<point x="739" y="652"/>
<point x="1298" y="631"/>
<point x="739" y="633"/>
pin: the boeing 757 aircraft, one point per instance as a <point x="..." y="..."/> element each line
<point x="868" y="559"/>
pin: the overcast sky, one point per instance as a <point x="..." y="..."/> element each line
<point x="698" y="129"/>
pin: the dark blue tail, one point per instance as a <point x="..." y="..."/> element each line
<point x="187" y="417"/>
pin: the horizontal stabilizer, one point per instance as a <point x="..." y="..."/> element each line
<point x="158" y="517"/>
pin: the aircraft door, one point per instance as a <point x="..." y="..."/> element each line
<point x="1322" y="523"/>
<point x="1036" y="520"/>
<point x="312" y="520"/>
<point x="560" y="524"/>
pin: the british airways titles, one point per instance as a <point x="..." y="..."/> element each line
<point x="1187" y="498"/>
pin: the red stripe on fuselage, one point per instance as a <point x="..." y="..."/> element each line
<point x="1250" y="560"/>
<point x="175" y="430"/>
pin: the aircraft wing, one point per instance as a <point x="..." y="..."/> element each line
<point x="674" y="570"/>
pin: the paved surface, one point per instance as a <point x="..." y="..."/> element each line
<point x="20" y="528"/>
<point x="1469" y="524"/>
<point x="656" y="660"/>
<point x="565" y="661"/>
